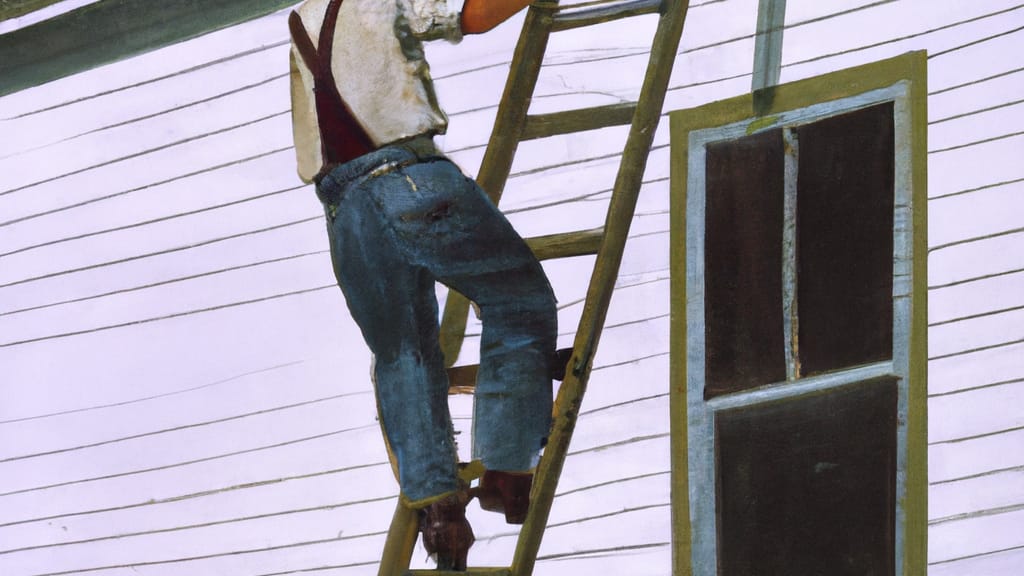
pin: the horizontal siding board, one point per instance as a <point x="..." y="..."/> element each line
<point x="990" y="256"/>
<point x="973" y="370"/>
<point x="301" y="458"/>
<point x="72" y="187"/>
<point x="637" y="420"/>
<point x="158" y="99"/>
<point x="273" y="557"/>
<point x="201" y="296"/>
<point x="612" y="463"/>
<point x="106" y="413"/>
<point x="227" y="504"/>
<point x="232" y="450"/>
<point x="975" y="413"/>
<point x="590" y="181"/>
<point x="975" y="536"/>
<point x="237" y="250"/>
<point x="988" y="37"/>
<point x="948" y="462"/>
<point x="326" y="525"/>
<point x="168" y="450"/>
<point x="961" y="218"/>
<point x="937" y="31"/>
<point x="647" y="560"/>
<point x="983" y="126"/>
<point x="999" y="564"/>
<point x="240" y="188"/>
<point x="191" y="337"/>
<point x="986" y="162"/>
<point x="985" y="331"/>
<point x="944" y="103"/>
<point x="974" y="297"/>
<point x="643" y="490"/>
<point x="631" y="528"/>
<point x="242" y="400"/>
<point x="91" y="146"/>
<point x="954" y="500"/>
<point x="184" y="234"/>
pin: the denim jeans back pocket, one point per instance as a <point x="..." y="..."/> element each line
<point x="426" y="202"/>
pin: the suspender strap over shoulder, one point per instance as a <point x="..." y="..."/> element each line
<point x="342" y="137"/>
<point x="302" y="42"/>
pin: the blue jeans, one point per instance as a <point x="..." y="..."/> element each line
<point x="396" y="225"/>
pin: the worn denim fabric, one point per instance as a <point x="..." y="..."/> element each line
<point x="397" y="224"/>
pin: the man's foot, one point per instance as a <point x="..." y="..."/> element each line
<point x="507" y="492"/>
<point x="446" y="532"/>
<point x="559" y="363"/>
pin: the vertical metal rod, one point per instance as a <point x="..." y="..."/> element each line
<point x="771" y="23"/>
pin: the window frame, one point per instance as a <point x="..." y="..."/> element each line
<point x="902" y="81"/>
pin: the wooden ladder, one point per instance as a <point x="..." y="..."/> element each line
<point x="512" y="126"/>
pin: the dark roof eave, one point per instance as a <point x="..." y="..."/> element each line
<point x="112" y="30"/>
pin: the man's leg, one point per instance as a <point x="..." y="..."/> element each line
<point x="393" y="302"/>
<point x="391" y="296"/>
<point x="445" y="223"/>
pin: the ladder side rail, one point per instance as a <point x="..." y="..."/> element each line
<point x="527" y="60"/>
<point x="620" y="215"/>
<point x="501" y="149"/>
<point x="400" y="542"/>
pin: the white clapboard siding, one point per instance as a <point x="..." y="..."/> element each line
<point x="183" y="392"/>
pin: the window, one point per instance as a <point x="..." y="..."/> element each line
<point x="799" y="323"/>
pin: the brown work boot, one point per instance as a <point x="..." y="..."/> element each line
<point x="559" y="364"/>
<point x="507" y="492"/>
<point x="447" y="534"/>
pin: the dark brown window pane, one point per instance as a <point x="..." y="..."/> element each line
<point x="806" y="487"/>
<point x="844" y="240"/>
<point x="743" y="264"/>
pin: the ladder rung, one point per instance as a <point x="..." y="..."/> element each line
<point x="566" y="244"/>
<point x="577" y="18"/>
<point x="569" y="121"/>
<point x="468" y="572"/>
<point x="462" y="379"/>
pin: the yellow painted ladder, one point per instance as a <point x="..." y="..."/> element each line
<point x="514" y="125"/>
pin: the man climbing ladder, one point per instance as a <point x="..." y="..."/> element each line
<point x="401" y="216"/>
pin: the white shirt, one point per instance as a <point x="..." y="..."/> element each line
<point x="378" y="63"/>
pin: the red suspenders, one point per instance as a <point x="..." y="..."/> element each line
<point x="342" y="137"/>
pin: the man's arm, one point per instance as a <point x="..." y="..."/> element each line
<point x="479" y="16"/>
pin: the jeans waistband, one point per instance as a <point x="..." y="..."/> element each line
<point x="332" y="181"/>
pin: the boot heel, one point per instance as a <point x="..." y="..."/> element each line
<point x="506" y="492"/>
<point x="447" y="534"/>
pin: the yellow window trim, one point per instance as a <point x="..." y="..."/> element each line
<point x="911" y="70"/>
